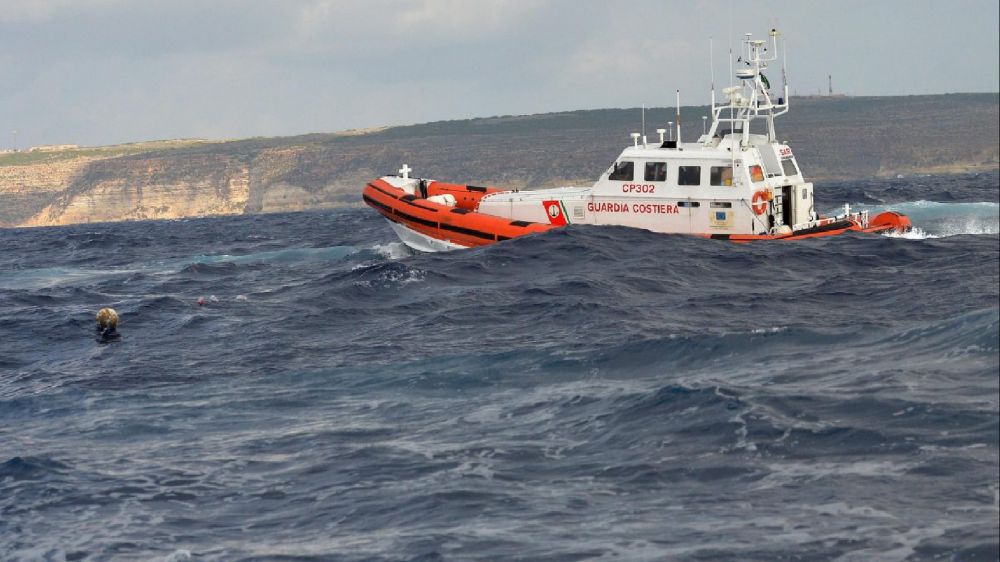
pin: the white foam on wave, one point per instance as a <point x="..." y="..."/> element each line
<point x="284" y="255"/>
<point x="386" y="278"/>
<point x="181" y="555"/>
<point x="393" y="250"/>
<point x="914" y="234"/>
<point x="49" y="277"/>
<point x="843" y="509"/>
<point x="771" y="330"/>
<point x="411" y="276"/>
<point x="785" y="473"/>
<point x="933" y="219"/>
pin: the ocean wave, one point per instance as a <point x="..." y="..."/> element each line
<point x="31" y="468"/>
<point x="344" y="395"/>
<point x="282" y="256"/>
<point x="932" y="219"/>
<point x="50" y="277"/>
<point x="880" y="191"/>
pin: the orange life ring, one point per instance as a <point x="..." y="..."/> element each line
<point x="760" y="202"/>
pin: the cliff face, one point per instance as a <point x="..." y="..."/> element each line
<point x="832" y="138"/>
<point x="148" y="188"/>
<point x="26" y="189"/>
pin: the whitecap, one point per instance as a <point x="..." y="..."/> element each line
<point x="392" y="250"/>
<point x="181" y="555"/>
<point x="914" y="234"/>
<point x="933" y="219"/>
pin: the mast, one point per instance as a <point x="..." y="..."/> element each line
<point x="644" y="125"/>
<point x="678" y="118"/>
<point x="751" y="99"/>
<point x="711" y="66"/>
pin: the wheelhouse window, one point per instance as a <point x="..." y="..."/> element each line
<point x="756" y="173"/>
<point x="689" y="175"/>
<point x="722" y="175"/>
<point x="788" y="165"/>
<point x="622" y="171"/>
<point x="656" y="171"/>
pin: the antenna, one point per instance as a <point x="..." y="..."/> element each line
<point x="784" y="65"/>
<point x="678" y="117"/>
<point x="704" y="121"/>
<point x="711" y="54"/>
<point x="711" y="62"/>
<point x="732" y="123"/>
<point x="643" y="120"/>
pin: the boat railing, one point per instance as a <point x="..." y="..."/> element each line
<point x="861" y="218"/>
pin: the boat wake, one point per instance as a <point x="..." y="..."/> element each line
<point x="932" y="219"/>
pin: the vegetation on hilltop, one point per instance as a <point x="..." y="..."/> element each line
<point x="27" y="157"/>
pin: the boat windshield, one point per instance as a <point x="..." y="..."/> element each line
<point x="623" y="171"/>
<point x="722" y="175"/>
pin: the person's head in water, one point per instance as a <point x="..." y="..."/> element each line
<point x="107" y="324"/>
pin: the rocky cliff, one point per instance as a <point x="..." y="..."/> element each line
<point x="833" y="138"/>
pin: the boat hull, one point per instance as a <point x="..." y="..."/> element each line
<point x="422" y="242"/>
<point x="428" y="226"/>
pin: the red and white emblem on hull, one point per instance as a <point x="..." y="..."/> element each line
<point x="554" y="210"/>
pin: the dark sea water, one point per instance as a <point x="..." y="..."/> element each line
<point x="587" y="394"/>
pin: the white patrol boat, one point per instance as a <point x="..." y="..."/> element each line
<point x="730" y="184"/>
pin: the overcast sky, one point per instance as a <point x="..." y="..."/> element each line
<point x="95" y="72"/>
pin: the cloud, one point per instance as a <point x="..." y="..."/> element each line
<point x="19" y="11"/>
<point x="96" y="71"/>
<point x="34" y="11"/>
<point x="631" y="60"/>
<point x="465" y="18"/>
<point x="401" y="22"/>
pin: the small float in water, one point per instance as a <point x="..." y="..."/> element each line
<point x="731" y="184"/>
